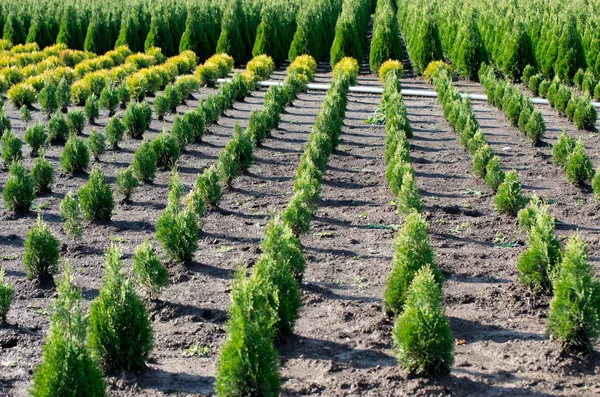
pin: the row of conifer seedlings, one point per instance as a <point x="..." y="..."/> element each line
<point x="116" y="342"/>
<point x="265" y="306"/>
<point x="413" y="291"/>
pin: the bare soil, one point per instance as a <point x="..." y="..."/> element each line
<point x="342" y="344"/>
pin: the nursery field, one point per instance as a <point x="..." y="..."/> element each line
<point x="224" y="237"/>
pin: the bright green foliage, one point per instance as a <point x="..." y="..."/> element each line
<point x="11" y="148"/>
<point x="195" y="119"/>
<point x="123" y="95"/>
<point x="177" y="227"/>
<point x="7" y="295"/>
<point x="36" y="138"/>
<point x="25" y="114"/>
<point x="21" y="94"/>
<point x="209" y="187"/>
<point x="148" y="269"/>
<point x="58" y="129"/>
<point x="96" y="197"/>
<point x="67" y="367"/>
<point x="237" y="155"/>
<point x="396" y="172"/>
<point x="596" y="183"/>
<point x="182" y="132"/>
<point x="284" y="294"/>
<point x="298" y="213"/>
<point x="47" y="99"/>
<point x="76" y="121"/>
<point x="161" y="106"/>
<point x="537" y="264"/>
<point x="413" y="252"/>
<point x="114" y="132"/>
<point x="126" y="183"/>
<point x="578" y="165"/>
<point x="562" y="149"/>
<point x="5" y="124"/>
<point x="280" y="244"/>
<point x="96" y="144"/>
<point x="481" y="159"/>
<point x="248" y="363"/>
<point x="408" y="198"/>
<point x="574" y="319"/>
<point x="92" y="109"/>
<point x="70" y="211"/>
<point x="494" y="176"/>
<point x="509" y="198"/>
<point x="109" y="99"/>
<point x="144" y="163"/>
<point x="173" y="96"/>
<point x="63" y="95"/>
<point x="585" y="115"/>
<point x="42" y="175"/>
<point x="570" y="52"/>
<point x="41" y="251"/>
<point x="424" y="43"/>
<point x="136" y="119"/>
<point x="120" y="335"/>
<point x="422" y="337"/>
<point x="385" y="42"/>
<point x="75" y="157"/>
<point x="166" y="150"/>
<point x="535" y="83"/>
<point x="18" y="192"/>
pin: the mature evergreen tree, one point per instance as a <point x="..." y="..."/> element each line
<point x="69" y="32"/>
<point x="234" y="33"/>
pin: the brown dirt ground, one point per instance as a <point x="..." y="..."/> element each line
<point x="342" y="344"/>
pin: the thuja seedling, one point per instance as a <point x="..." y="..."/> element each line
<point x="326" y="234"/>
<point x="197" y="350"/>
<point x="224" y="248"/>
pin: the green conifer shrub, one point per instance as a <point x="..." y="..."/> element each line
<point x="481" y="159"/>
<point x="144" y="163"/>
<point x="63" y="95"/>
<point x="21" y="94"/>
<point x="574" y="318"/>
<point x="24" y="114"/>
<point x="126" y="183"/>
<point x="166" y="149"/>
<point x="408" y="198"/>
<point x="562" y="148"/>
<point x="58" y="129"/>
<point x="535" y="128"/>
<point x="70" y="211"/>
<point x="596" y="183"/>
<point x="195" y="119"/>
<point x="42" y="251"/>
<point x="280" y="244"/>
<point x="36" y="138"/>
<point x="209" y="186"/>
<point x="42" y="175"/>
<point x="47" y="99"/>
<point x="494" y="176"/>
<point x="509" y="198"/>
<point x="115" y="129"/>
<point x="248" y="363"/>
<point x="96" y="198"/>
<point x="585" y="115"/>
<point x="96" y="144"/>
<point x="67" y="367"/>
<point x="182" y="132"/>
<point x="161" y="106"/>
<point x="120" y="335"/>
<point x="123" y="95"/>
<point x="5" y="124"/>
<point x="136" y="120"/>
<point x="92" y="109"/>
<point x="11" y="148"/>
<point x="234" y="32"/>
<point x="423" y="342"/>
<point x="75" y="157"/>
<point x="173" y="96"/>
<point x="298" y="213"/>
<point x="579" y="167"/>
<point x="18" y="192"/>
<point x="76" y="121"/>
<point x="413" y="252"/>
<point x="385" y="41"/>
<point x="535" y="82"/>
<point x="109" y="99"/>
<point x="7" y="295"/>
<point x="149" y="270"/>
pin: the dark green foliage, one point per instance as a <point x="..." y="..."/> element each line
<point x="280" y="244"/>
<point x="468" y="51"/>
<point x="413" y="252"/>
<point x="535" y="82"/>
<point x="7" y="295"/>
<point x="234" y="33"/>
<point x="5" y="124"/>
<point x="543" y="90"/>
<point x="70" y="211"/>
<point x="144" y="163"/>
<point x="494" y="176"/>
<point x="123" y="95"/>
<point x="36" y="138"/>
<point x="114" y="132"/>
<point x="195" y="119"/>
<point x="63" y="95"/>
<point x="182" y="132"/>
<point x="248" y="363"/>
<point x="425" y="46"/>
<point x="173" y="96"/>
<point x="535" y="127"/>
<point x="92" y="109"/>
<point x="11" y="147"/>
<point x="109" y="99"/>
<point x="47" y="99"/>
<point x="14" y="31"/>
<point x="96" y="144"/>
<point x="69" y="32"/>
<point x="75" y="121"/>
<point x="562" y="148"/>
<point x="209" y="187"/>
<point x="67" y="367"/>
<point x="166" y="150"/>
<point x="75" y="157"/>
<point x="316" y="22"/>
<point x="276" y="30"/>
<point x="136" y="119"/>
<point x="578" y="165"/>
<point x="41" y="251"/>
<point x="350" y="31"/>
<point x="42" y="175"/>
<point x="585" y="115"/>
<point x="177" y="227"/>
<point x="574" y="318"/>
<point x="58" y="129"/>
<point x="509" y="198"/>
<point x="385" y="41"/>
<point x="120" y="335"/>
<point x="96" y="198"/>
<point x="161" y="106"/>
<point x="570" y="54"/>
<point x="284" y="293"/>
<point x="423" y="342"/>
<point x="18" y="192"/>
<point x="201" y="30"/>
<point x="528" y="72"/>
<point x="148" y="269"/>
<point x="126" y="183"/>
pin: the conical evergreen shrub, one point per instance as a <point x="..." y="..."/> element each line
<point x="509" y="198"/>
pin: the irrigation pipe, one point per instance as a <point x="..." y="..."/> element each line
<point x="404" y="92"/>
